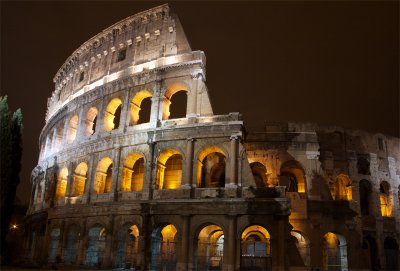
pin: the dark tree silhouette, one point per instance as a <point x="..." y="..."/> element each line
<point x="10" y="165"/>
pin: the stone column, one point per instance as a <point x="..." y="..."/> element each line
<point x="229" y="260"/>
<point x="187" y="181"/>
<point x="61" y="242"/>
<point x="109" y="241"/>
<point x="90" y="178"/>
<point x="233" y="168"/>
<point x="82" y="241"/>
<point x="116" y="172"/>
<point x="70" y="179"/>
<point x="182" y="262"/>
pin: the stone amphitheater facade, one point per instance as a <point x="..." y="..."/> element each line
<point x="122" y="183"/>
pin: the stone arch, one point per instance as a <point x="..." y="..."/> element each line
<point x="292" y="175"/>
<point x="112" y="115"/>
<point x="71" y="247"/>
<point x="53" y="246"/>
<point x="169" y="169"/>
<point x="391" y="248"/>
<point x="96" y="242"/>
<point x="133" y="173"/>
<point x="103" y="176"/>
<point x="209" y="247"/>
<point x="48" y="145"/>
<point x="342" y="188"/>
<point x="365" y="190"/>
<point x="370" y="251"/>
<point x="163" y="247"/>
<point x="303" y="246"/>
<point x="141" y="96"/>
<point x="211" y="167"/>
<point x="72" y="128"/>
<point x="334" y="252"/>
<point x="127" y="241"/>
<point x="171" y="90"/>
<point x="255" y="248"/>
<point x="385" y="199"/>
<point x="259" y="173"/>
<point x="79" y="179"/>
<point x="62" y="181"/>
<point x="59" y="136"/>
<point x="91" y="121"/>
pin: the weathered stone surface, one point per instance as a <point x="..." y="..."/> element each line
<point x="122" y="186"/>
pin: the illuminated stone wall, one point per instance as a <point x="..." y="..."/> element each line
<point x="119" y="182"/>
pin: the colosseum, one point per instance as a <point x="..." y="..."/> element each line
<point x="126" y="179"/>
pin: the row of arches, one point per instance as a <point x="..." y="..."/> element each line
<point x="208" y="252"/>
<point x="140" y="112"/>
<point x="211" y="173"/>
<point x="367" y="201"/>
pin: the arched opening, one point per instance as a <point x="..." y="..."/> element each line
<point x="62" y="181"/>
<point x="49" y="145"/>
<point x="255" y="249"/>
<point x="163" y="245"/>
<point x="103" y="177"/>
<point x="169" y="170"/>
<point x="127" y="246"/>
<point x="292" y="175"/>
<point x="53" y="247"/>
<point x="303" y="246"/>
<point x="175" y="94"/>
<point x="91" y="121"/>
<point x="112" y="115"/>
<point x="209" y="250"/>
<point x="371" y="254"/>
<point x="365" y="196"/>
<point x="385" y="200"/>
<point x="71" y="245"/>
<point x="59" y="136"/>
<point x="78" y="185"/>
<point x="259" y="173"/>
<point x="72" y="129"/>
<point x="141" y="107"/>
<point x="391" y="253"/>
<point x="211" y="166"/>
<point x="96" y="246"/>
<point x="133" y="173"/>
<point x="334" y="252"/>
<point x="342" y="189"/>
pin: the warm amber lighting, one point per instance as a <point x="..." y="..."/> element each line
<point x="331" y="240"/>
<point x="91" y="116"/>
<point x="169" y="170"/>
<point x="109" y="115"/>
<point x="103" y="177"/>
<point x="386" y="209"/>
<point x="62" y="183"/>
<point x="342" y="189"/>
<point x="134" y="231"/>
<point x="385" y="200"/>
<point x="256" y="229"/>
<point x="171" y="90"/>
<point x="202" y="155"/>
<point x="294" y="168"/>
<point x="133" y="173"/>
<point x="168" y="233"/>
<point x="79" y="181"/>
<point x="136" y="102"/>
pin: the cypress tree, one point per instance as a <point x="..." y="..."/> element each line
<point x="10" y="165"/>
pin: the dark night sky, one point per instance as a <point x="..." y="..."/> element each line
<point x="325" y="62"/>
